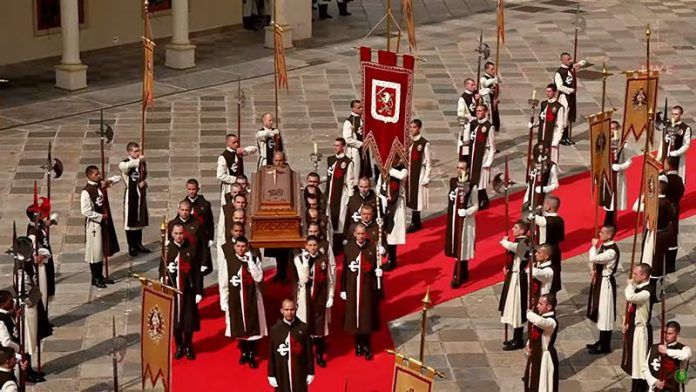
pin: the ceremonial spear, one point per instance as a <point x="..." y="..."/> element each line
<point x="21" y="250"/>
<point x="240" y="102"/>
<point x="579" y="22"/>
<point x="106" y="135"/>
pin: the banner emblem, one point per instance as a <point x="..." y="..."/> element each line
<point x="155" y="324"/>
<point x="386" y="99"/>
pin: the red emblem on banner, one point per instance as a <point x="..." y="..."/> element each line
<point x="387" y="98"/>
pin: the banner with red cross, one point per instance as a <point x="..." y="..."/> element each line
<point x="387" y="95"/>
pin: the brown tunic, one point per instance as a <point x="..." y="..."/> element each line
<point x="242" y="300"/>
<point x="360" y="284"/>
<point x="290" y="360"/>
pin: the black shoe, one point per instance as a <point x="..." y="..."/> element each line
<point x="358" y="351"/>
<point x="98" y="283"/>
<point x="597" y="351"/>
<point x="179" y="353"/>
<point x="513" y="346"/>
<point x="132" y="251"/>
<point x="324" y="12"/>
<point x="243" y="358"/>
<point x="368" y="353"/>
<point x="252" y="361"/>
<point x="566" y="141"/>
<point x="190" y="354"/>
<point x="413" y="228"/>
<point x="35" y="378"/>
<point x="455" y="284"/>
<point x="108" y="280"/>
<point x="143" y="249"/>
<point x="389" y="266"/>
<point x="508" y="342"/>
<point x="320" y="361"/>
<point x="592" y="345"/>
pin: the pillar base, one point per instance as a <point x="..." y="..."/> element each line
<point x="71" y="77"/>
<point x="180" y="56"/>
<point x="287" y="36"/>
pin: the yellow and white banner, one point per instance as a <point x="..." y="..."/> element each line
<point x="411" y="376"/>
<point x="639" y="104"/>
<point x="600" y="148"/>
<point x="155" y="335"/>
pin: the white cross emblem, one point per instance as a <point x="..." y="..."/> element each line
<point x="452" y="195"/>
<point x="655" y="364"/>
<point x="354" y="265"/>
<point x="234" y="167"/>
<point x="283" y="349"/>
<point x="569" y="78"/>
<point x="135" y="176"/>
<point x="330" y="170"/>
<point x="100" y="200"/>
<point x="355" y="216"/>
<point x="236" y="280"/>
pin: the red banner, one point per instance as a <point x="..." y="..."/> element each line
<point x="387" y="98"/>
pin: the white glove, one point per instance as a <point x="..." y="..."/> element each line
<point x="529" y="125"/>
<point x="223" y="306"/>
<point x="171" y="268"/>
<point x="582" y="63"/>
<point x="461" y="212"/>
<point x="667" y="138"/>
<point x="199" y="298"/>
<point x="615" y="167"/>
<point x="273" y="382"/>
<point x="572" y="90"/>
<point x="204" y="268"/>
<point x="382" y="251"/>
<point x="537" y="189"/>
<point x="53" y="217"/>
<point x="211" y="243"/>
<point x="329" y="302"/>
<point x="424" y="183"/>
<point x="276" y="132"/>
<point x="494" y="80"/>
<point x="379" y="272"/>
<point x="343" y="295"/>
<point x="310" y="378"/>
<point x="345" y="242"/>
<point x="531" y="217"/>
<point x="674" y="153"/>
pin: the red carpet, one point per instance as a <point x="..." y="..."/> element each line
<point x="422" y="264"/>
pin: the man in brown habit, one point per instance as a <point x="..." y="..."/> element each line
<point x="202" y="211"/>
<point x="359" y="290"/>
<point x="290" y="364"/>
<point x="182" y="269"/>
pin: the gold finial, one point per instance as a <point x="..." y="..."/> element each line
<point x="426" y="300"/>
<point x="163" y="226"/>
<point x="605" y="73"/>
<point x="647" y="31"/>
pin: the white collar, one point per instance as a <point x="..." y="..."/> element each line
<point x="417" y="137"/>
<point x="231" y="150"/>
<point x="610" y="242"/>
<point x="672" y="172"/>
<point x="641" y="285"/>
<point x="341" y="155"/>
<point x="468" y="92"/>
<point x="661" y="196"/>
<point x="3" y="311"/>
<point x="551" y="313"/>
<point x="90" y="182"/>
<point x="678" y="122"/>
<point x="487" y="74"/>
<point x="182" y="219"/>
<point x="545" y="264"/>
<point x="130" y="158"/>
<point x="178" y="245"/>
<point x="352" y="113"/>
<point x="288" y="322"/>
<point x="551" y="100"/>
<point x="194" y="199"/>
<point x="365" y="223"/>
<point x="361" y="244"/>
<point x="549" y="213"/>
<point x="565" y="66"/>
<point x="6" y="370"/>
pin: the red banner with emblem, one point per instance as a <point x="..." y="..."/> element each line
<point x="155" y="336"/>
<point x="387" y="95"/>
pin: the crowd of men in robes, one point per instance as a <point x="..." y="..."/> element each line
<point x="361" y="213"/>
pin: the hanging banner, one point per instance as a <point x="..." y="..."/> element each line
<point x="500" y="20"/>
<point x="411" y="376"/>
<point x="387" y="94"/>
<point x="407" y="11"/>
<point x="600" y="151"/>
<point x="148" y="64"/>
<point x="637" y="103"/>
<point x="280" y="67"/>
<point x="155" y="336"/>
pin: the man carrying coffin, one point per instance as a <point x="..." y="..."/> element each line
<point x="419" y="167"/>
<point x="316" y="281"/>
<point x="513" y="301"/>
<point x="241" y="300"/>
<point x="461" y="225"/>
<point x="601" y="306"/>
<point x="339" y="187"/>
<point x="182" y="269"/>
<point x="359" y="289"/>
<point x="290" y="364"/>
<point x="202" y="211"/>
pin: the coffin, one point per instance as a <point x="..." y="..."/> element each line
<point x="275" y="208"/>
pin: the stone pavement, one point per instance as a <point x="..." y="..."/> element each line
<point x="186" y="131"/>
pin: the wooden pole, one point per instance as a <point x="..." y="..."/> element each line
<point x="102" y="135"/>
<point x="507" y="222"/>
<point x="275" y="60"/>
<point x="144" y="107"/>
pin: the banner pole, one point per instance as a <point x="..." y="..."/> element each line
<point x="424" y="322"/>
<point x="389" y="26"/>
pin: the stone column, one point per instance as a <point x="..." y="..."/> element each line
<point x="71" y="74"/>
<point x="180" y="53"/>
<point x="282" y="20"/>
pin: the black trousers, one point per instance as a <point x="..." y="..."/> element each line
<point x="671" y="260"/>
<point x="182" y="338"/>
<point x="639" y="385"/>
